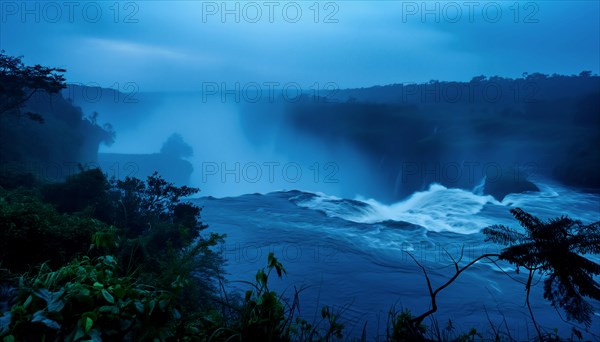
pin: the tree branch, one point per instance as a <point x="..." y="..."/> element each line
<point x="528" y="287"/>
<point x="418" y="320"/>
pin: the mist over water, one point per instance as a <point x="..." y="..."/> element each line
<point x="242" y="148"/>
<point x="237" y="152"/>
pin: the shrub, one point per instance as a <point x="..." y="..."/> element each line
<point x="162" y="235"/>
<point x="81" y="191"/>
<point x="87" y="300"/>
<point x="32" y="232"/>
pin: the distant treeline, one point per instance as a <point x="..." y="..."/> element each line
<point x="455" y="133"/>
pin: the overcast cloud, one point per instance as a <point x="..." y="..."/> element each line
<point x="171" y="45"/>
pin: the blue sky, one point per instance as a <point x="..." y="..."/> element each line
<point x="178" y="45"/>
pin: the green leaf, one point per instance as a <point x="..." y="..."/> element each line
<point x="271" y="259"/>
<point x="85" y="299"/>
<point x="139" y="306"/>
<point x="324" y="311"/>
<point x="27" y="301"/>
<point x="125" y="324"/>
<point x="88" y="324"/>
<point x="261" y="277"/>
<point x="9" y="338"/>
<point x="162" y="305"/>
<point x="95" y="335"/>
<point x="119" y="292"/>
<point x="176" y="314"/>
<point x="56" y="306"/>
<point x="5" y="320"/>
<point x="278" y="269"/>
<point x="40" y="317"/>
<point x="92" y="315"/>
<point x="78" y="334"/>
<point x="109" y="298"/>
<point x="108" y="309"/>
<point x="110" y="260"/>
<point x="52" y="298"/>
<point x="151" y="305"/>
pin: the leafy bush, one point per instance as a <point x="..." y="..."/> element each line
<point x="155" y="236"/>
<point x="86" y="300"/>
<point x="33" y="232"/>
<point x="403" y="328"/>
<point x="159" y="234"/>
<point x="11" y="179"/>
<point x="265" y="315"/>
<point x="84" y="190"/>
<point x="261" y="316"/>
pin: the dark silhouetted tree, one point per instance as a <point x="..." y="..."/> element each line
<point x="18" y="83"/>
<point x="556" y="249"/>
<point x="34" y="92"/>
<point x="176" y="147"/>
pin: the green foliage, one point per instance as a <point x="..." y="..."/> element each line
<point x="157" y="234"/>
<point x="161" y="234"/>
<point x="335" y="329"/>
<point x="66" y="137"/>
<point x="19" y="82"/>
<point x="140" y="204"/>
<point x="156" y="239"/>
<point x="105" y="240"/>
<point x="10" y="179"/>
<point x="33" y="232"/>
<point x="86" y="300"/>
<point x="84" y="190"/>
<point x="403" y="328"/>
<point x="301" y="330"/>
<point x="555" y="248"/>
<point x="263" y="314"/>
<point x="470" y="336"/>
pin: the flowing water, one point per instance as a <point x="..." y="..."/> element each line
<point x="353" y="254"/>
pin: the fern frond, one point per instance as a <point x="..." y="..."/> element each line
<point x="556" y="247"/>
<point x="503" y="235"/>
<point x="526" y="220"/>
<point x="562" y="294"/>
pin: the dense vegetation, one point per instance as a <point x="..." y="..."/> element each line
<point x="119" y="255"/>
<point x="42" y="133"/>
<point x="89" y="258"/>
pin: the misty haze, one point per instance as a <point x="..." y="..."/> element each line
<point x="299" y="171"/>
